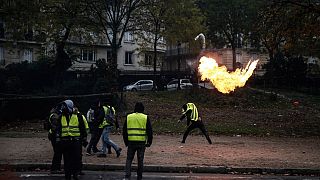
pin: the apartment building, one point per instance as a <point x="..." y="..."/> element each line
<point x="133" y="60"/>
<point x="189" y="59"/>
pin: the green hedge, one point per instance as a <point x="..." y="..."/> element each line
<point x="31" y="108"/>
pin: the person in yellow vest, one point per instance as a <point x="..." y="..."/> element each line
<point x="73" y="135"/>
<point x="190" y="111"/>
<point x="107" y="124"/>
<point x="137" y="135"/>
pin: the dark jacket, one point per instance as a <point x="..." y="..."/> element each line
<point x="149" y="133"/>
<point x="188" y="115"/>
<point x="55" y="117"/>
<point x="98" y="116"/>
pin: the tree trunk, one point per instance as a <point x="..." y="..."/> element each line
<point x="114" y="60"/>
<point x="155" y="62"/>
<point x="234" y="58"/>
<point x="62" y="60"/>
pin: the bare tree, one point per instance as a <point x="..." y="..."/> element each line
<point x="113" y="17"/>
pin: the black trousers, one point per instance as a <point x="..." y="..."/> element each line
<point x="132" y="149"/>
<point x="57" y="156"/>
<point x="71" y="150"/>
<point x="95" y="137"/>
<point x="193" y="125"/>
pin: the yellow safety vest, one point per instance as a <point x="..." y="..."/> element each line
<point x="106" y="110"/>
<point x="71" y="129"/>
<point x="136" y="127"/>
<point x="194" y="113"/>
<point x="86" y="125"/>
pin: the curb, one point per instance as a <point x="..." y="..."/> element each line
<point x="172" y="169"/>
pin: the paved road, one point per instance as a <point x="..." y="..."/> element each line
<point x="98" y="175"/>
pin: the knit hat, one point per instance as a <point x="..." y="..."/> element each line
<point x="69" y="104"/>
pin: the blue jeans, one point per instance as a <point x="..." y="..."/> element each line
<point x="107" y="141"/>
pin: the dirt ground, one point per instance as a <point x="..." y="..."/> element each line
<point x="249" y="129"/>
<point x="237" y="151"/>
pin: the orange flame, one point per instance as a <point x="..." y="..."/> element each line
<point x="223" y="80"/>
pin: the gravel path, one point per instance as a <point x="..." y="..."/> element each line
<point x="268" y="152"/>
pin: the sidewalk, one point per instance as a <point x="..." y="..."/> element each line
<point x="167" y="153"/>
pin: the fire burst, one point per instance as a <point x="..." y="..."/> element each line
<point x="223" y="80"/>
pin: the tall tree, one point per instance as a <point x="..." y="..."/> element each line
<point x="113" y="17"/>
<point x="230" y="21"/>
<point x="173" y="20"/>
<point x="61" y="20"/>
<point x="149" y="23"/>
<point x="50" y="21"/>
<point x="184" y="21"/>
<point x="271" y="27"/>
<point x="291" y="26"/>
<point x="20" y="17"/>
<point x="302" y="36"/>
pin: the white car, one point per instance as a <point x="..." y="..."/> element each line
<point x="184" y="84"/>
<point x="205" y="85"/>
<point x="141" y="85"/>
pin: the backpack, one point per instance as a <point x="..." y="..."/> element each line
<point x="110" y="118"/>
<point x="47" y="123"/>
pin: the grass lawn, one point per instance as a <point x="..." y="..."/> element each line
<point x="243" y="112"/>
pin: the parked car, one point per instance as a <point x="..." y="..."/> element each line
<point x="184" y="84"/>
<point x="141" y="85"/>
<point x="205" y="85"/>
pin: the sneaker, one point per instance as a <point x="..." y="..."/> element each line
<point x="102" y="155"/>
<point x="88" y="153"/>
<point x="119" y="152"/>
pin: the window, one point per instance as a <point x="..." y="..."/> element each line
<point x="185" y="81"/>
<point x="148" y="59"/>
<point x="254" y="56"/>
<point x="110" y="34"/>
<point x="88" y="55"/>
<point x="2" y="56"/>
<point x="173" y="82"/>
<point x="128" y="58"/>
<point x="239" y="57"/>
<point x="128" y="36"/>
<point x="161" y="40"/>
<point x="28" y="55"/>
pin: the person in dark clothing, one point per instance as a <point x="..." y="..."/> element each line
<point x="96" y="128"/>
<point x="191" y="112"/>
<point x="72" y="135"/>
<point x="137" y="135"/>
<point x="55" y="115"/>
